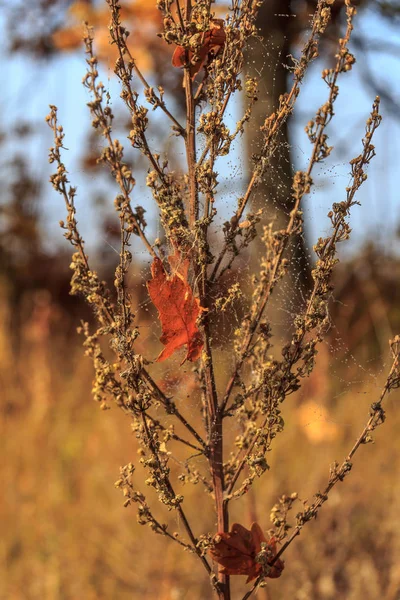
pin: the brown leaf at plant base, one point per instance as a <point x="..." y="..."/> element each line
<point x="178" y="309"/>
<point x="211" y="43"/>
<point x="236" y="552"/>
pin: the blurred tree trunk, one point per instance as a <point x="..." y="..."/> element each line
<point x="276" y="25"/>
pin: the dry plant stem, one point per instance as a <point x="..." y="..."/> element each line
<point x="175" y="539"/>
<point x="157" y="101"/>
<point x="214" y="416"/>
<point x="190" y="139"/>
<point x="215" y="435"/>
<point x="320" y="151"/>
<point x="104" y="120"/>
<point x="359" y="177"/>
<point x="115" y="164"/>
<point x="122" y="73"/>
<point x="180" y="17"/>
<point x="274" y="123"/>
<point x="172" y="493"/>
<point x="106" y="311"/>
<point x="236" y="8"/>
<point x="216" y="454"/>
<point x="221" y="114"/>
<point x="191" y="149"/>
<point x="338" y="473"/>
<point x="59" y="182"/>
<point x="174" y="436"/>
<point x="243" y="462"/>
<point x="77" y="240"/>
<point x="171" y="408"/>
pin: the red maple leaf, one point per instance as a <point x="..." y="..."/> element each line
<point x="236" y="552"/>
<point x="211" y="43"/>
<point x="178" y="309"/>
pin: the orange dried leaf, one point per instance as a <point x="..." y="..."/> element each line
<point x="178" y="311"/>
<point x="69" y="38"/>
<point x="146" y="48"/>
<point x="211" y="43"/>
<point x="236" y="552"/>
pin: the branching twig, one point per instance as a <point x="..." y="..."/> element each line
<point x="276" y="120"/>
<point x="301" y="186"/>
<point x="316" y="310"/>
<point x="338" y="473"/>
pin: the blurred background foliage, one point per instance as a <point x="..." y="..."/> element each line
<point x="65" y="534"/>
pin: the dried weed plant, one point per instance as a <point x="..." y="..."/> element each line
<point x="187" y="265"/>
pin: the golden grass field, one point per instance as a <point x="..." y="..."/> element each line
<point x="66" y="536"/>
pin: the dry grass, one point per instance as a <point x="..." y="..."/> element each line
<point x="66" y="536"/>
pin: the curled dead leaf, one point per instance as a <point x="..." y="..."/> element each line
<point x="237" y="550"/>
<point x="209" y="44"/>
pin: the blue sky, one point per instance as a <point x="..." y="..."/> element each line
<point x="29" y="87"/>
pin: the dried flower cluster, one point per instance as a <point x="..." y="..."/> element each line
<point x="186" y="267"/>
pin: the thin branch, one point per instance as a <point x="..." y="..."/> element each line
<point x="301" y="186"/>
<point x="174" y="436"/>
<point x="326" y="253"/>
<point x="338" y="473"/>
<point x="103" y="118"/>
<point x="165" y="480"/>
<point x="107" y="315"/>
<point x="191" y="148"/>
<point x="273" y="125"/>
<point x="170" y="407"/>
<point x="152" y="97"/>
<point x="124" y="73"/>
